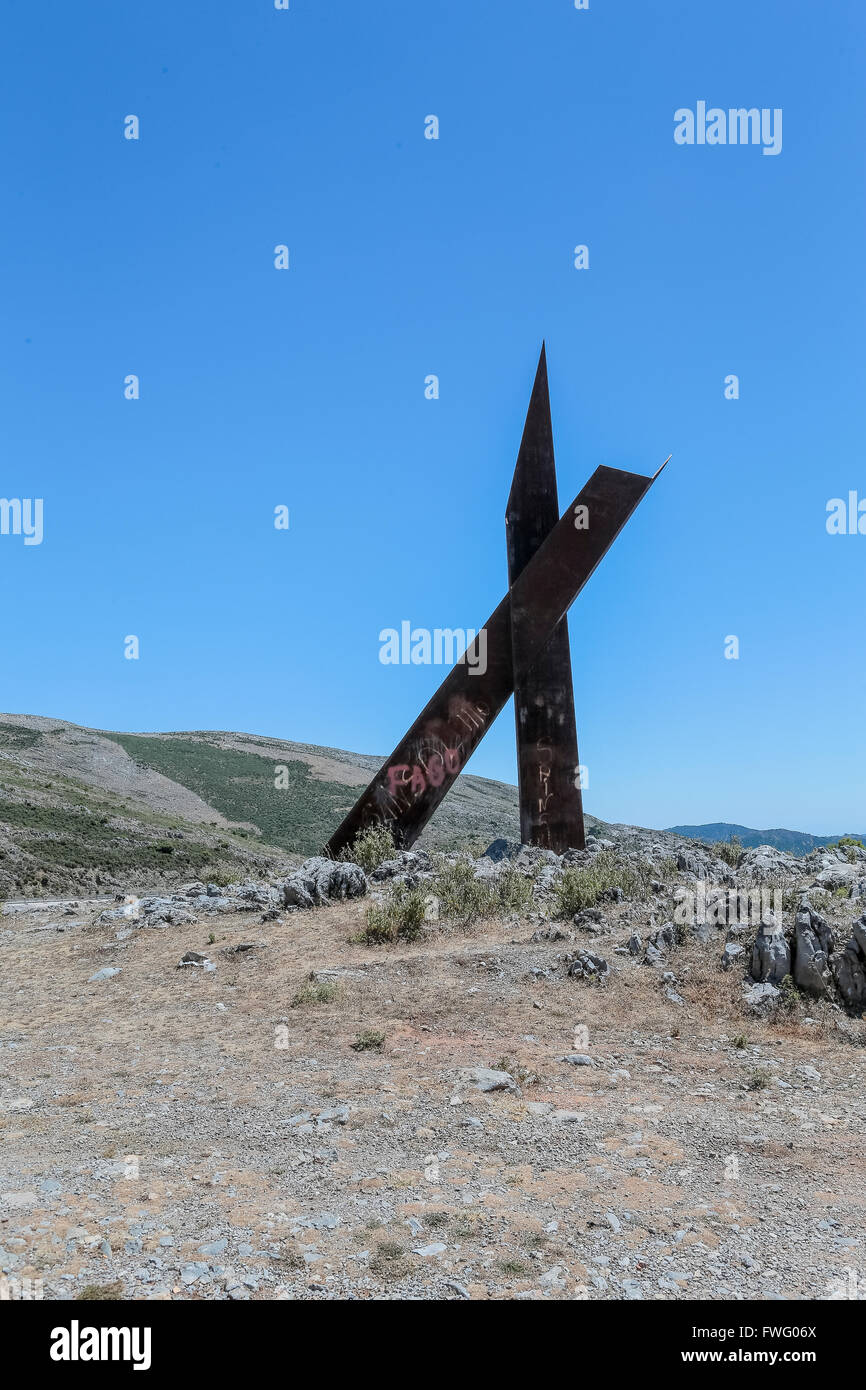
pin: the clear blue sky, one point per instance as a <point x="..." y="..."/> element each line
<point x="408" y="257"/>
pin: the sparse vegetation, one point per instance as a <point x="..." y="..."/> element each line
<point x="18" y="736"/>
<point x="399" y="918"/>
<point x="758" y="1081"/>
<point x="299" y="814"/>
<point x="390" y="1260"/>
<point x="524" y="1076"/>
<point x="371" y="848"/>
<point x="582" y="887"/>
<point x="76" y="836"/>
<point x="731" y="851"/>
<point x="94" y="1293"/>
<point x="789" y="996"/>
<point x="465" y="899"/>
<point x="323" y="992"/>
<point x="369" y="1041"/>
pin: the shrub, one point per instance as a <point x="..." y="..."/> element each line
<point x="370" y="848"/>
<point x="731" y="851"/>
<point x="582" y="887"/>
<point x="92" y="1293"/>
<point x="462" y="897"/>
<point x="323" y="993"/>
<point x="390" y="1261"/>
<point x="848" y="843"/>
<point x="789" y="996"/>
<point x="513" y="891"/>
<point x="466" y="899"/>
<point x="399" y="918"/>
<point x="370" y="1041"/>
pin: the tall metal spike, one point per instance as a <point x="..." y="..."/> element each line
<point x="551" y="805"/>
<point x="426" y="762"/>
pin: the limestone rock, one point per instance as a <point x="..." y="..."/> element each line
<point x="320" y="880"/>
<point x="771" y="954"/>
<point x="849" y="968"/>
<point x="813" y="946"/>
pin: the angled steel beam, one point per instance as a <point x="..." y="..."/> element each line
<point x="411" y="783"/>
<point x="551" y="805"/>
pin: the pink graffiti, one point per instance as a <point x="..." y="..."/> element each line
<point x="415" y="779"/>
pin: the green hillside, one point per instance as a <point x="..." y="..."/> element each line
<point x="298" y="817"/>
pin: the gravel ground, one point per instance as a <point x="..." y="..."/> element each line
<point x="197" y="1133"/>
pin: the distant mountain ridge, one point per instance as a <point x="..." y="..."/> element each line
<point x="791" y="841"/>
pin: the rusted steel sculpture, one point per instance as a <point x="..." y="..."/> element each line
<point x="551" y="805"/>
<point x="549" y="566"/>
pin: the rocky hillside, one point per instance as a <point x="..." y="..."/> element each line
<point x="87" y="810"/>
<point x="791" y="924"/>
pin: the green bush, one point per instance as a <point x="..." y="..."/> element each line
<point x="323" y="993"/>
<point x="466" y="899"/>
<point x="582" y="887"/>
<point x="731" y="851"/>
<point x="399" y="918"/>
<point x="758" y="1081"/>
<point x="371" y="848"/>
<point x="848" y="845"/>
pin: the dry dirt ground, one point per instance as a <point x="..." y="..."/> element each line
<point x="180" y="1133"/>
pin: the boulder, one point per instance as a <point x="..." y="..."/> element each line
<point x="771" y="954"/>
<point x="501" y="850"/>
<point x="546" y="878"/>
<point x="849" y="968"/>
<point x="759" y="998"/>
<point x="583" y="965"/>
<point x="320" y="880"/>
<point x="813" y="946"/>
<point x="659" y="942"/>
<point x="766" y="862"/>
<point x="405" y="867"/>
<point x="486" y="1079"/>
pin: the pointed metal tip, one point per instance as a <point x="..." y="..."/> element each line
<point x="536" y="444"/>
<point x="664" y="465"/>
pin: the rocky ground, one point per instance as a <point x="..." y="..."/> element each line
<point x="301" y="1090"/>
